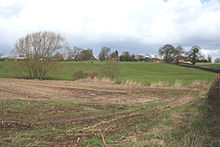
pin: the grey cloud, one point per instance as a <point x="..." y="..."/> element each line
<point x="11" y="10"/>
<point x="5" y="49"/>
<point x="203" y="41"/>
<point x="131" y="45"/>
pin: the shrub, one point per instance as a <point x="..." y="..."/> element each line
<point x="80" y="74"/>
<point x="214" y="94"/>
<point x="93" y="74"/>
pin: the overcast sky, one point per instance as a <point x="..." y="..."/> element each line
<point x="137" y="26"/>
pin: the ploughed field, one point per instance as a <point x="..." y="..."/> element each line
<point x="93" y="113"/>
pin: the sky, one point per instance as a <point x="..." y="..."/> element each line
<point x="137" y="26"/>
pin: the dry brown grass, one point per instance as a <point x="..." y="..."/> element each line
<point x="199" y="85"/>
<point x="159" y="84"/>
<point x="179" y="85"/>
<point x="132" y="83"/>
<point x="101" y="80"/>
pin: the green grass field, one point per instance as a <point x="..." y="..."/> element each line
<point x="136" y="71"/>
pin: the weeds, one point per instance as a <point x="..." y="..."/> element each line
<point x="4" y="107"/>
<point x="214" y="94"/>
<point x="199" y="85"/>
<point x="178" y="84"/>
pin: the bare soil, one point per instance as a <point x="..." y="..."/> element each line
<point x="84" y="90"/>
<point x="106" y="109"/>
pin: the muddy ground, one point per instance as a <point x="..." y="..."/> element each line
<point x="82" y="112"/>
<point x="84" y="90"/>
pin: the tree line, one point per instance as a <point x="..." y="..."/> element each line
<point x="172" y="54"/>
<point x="80" y="54"/>
<point x="41" y="50"/>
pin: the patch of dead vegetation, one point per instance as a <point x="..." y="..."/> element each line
<point x="179" y="85"/>
<point x="83" y="90"/>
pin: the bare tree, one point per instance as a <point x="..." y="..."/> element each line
<point x="39" y="50"/>
<point x="179" y="51"/>
<point x="70" y="56"/>
<point x="104" y="54"/>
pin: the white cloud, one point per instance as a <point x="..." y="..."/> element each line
<point x="214" y="53"/>
<point x="153" y="23"/>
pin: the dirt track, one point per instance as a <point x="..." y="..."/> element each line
<point x="84" y="90"/>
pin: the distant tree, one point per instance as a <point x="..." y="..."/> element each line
<point x="125" y="56"/>
<point x="217" y="60"/>
<point x="114" y="56"/>
<point x="132" y="58"/>
<point x="76" y="53"/>
<point x="39" y="49"/>
<point x="167" y="52"/>
<point x="58" y="56"/>
<point x="86" y="55"/>
<point x="209" y="59"/>
<point x="178" y="53"/>
<point x="104" y="54"/>
<point x="1" y="54"/>
<point x="70" y="56"/>
<point x="195" y="54"/>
